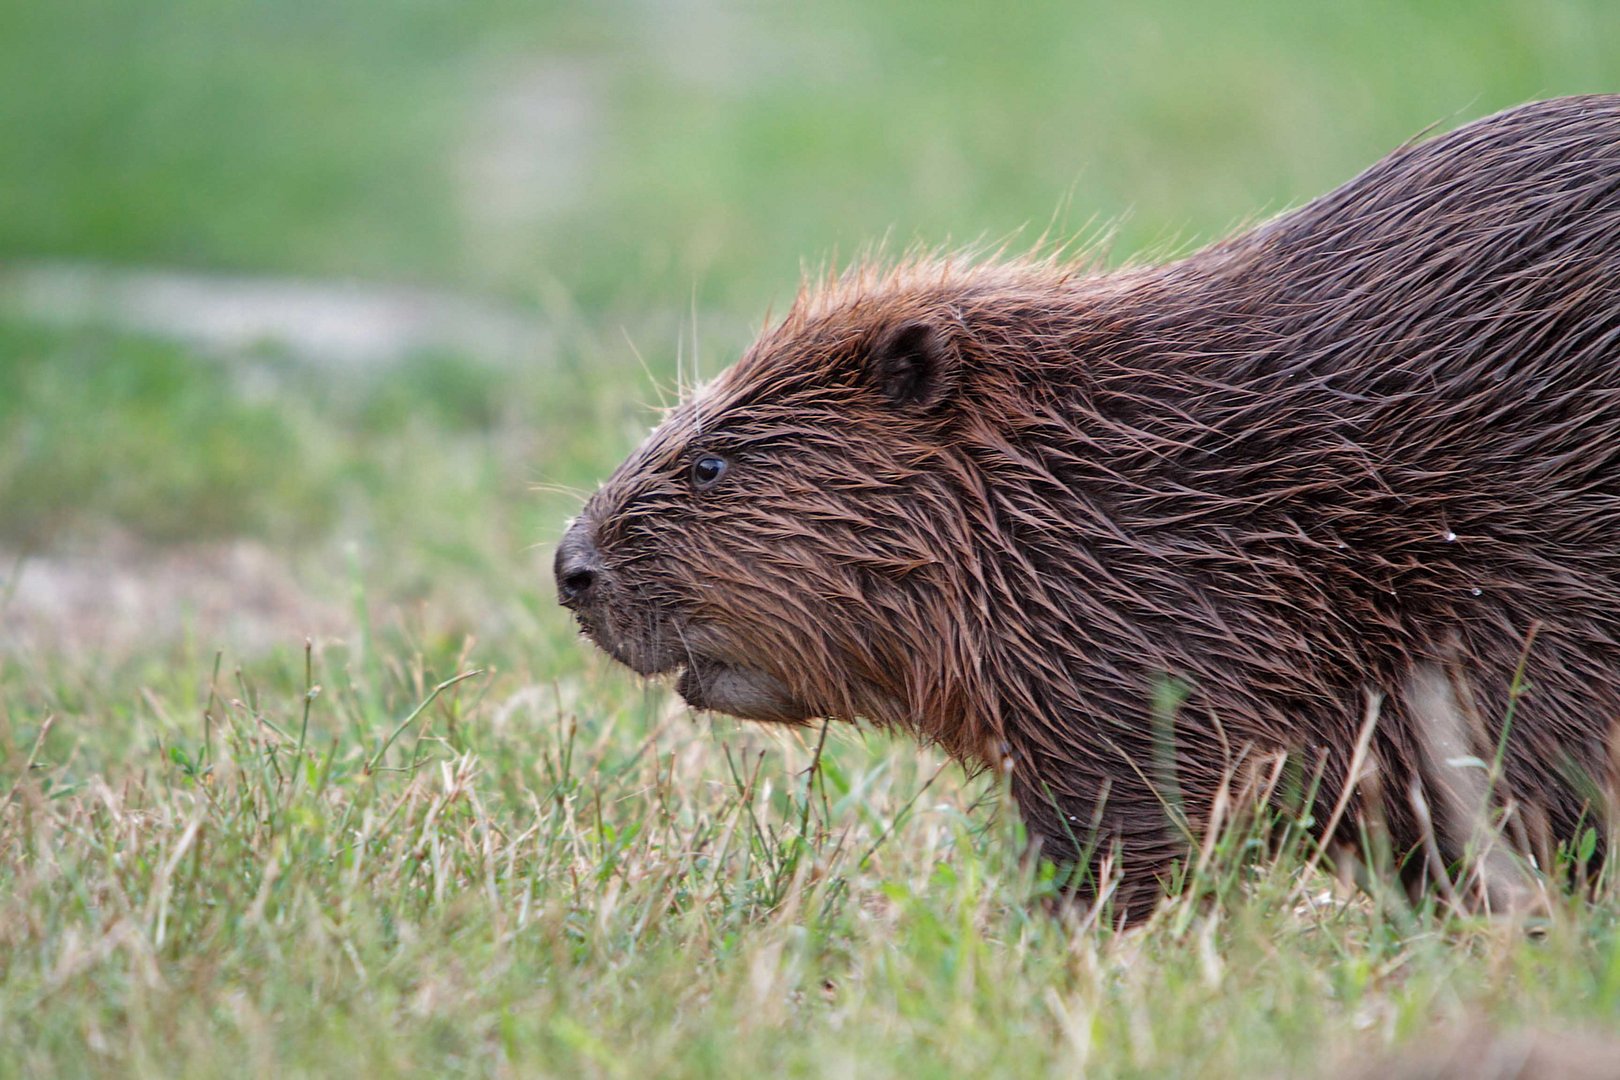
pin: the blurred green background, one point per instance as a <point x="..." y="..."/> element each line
<point x="403" y="280"/>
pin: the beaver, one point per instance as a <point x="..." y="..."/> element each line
<point x="1344" y="486"/>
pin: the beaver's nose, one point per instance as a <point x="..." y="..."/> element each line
<point x="578" y="566"/>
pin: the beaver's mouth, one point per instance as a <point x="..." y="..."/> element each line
<point x="705" y="681"/>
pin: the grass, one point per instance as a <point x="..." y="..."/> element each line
<point x="219" y="857"/>
<point x="714" y="149"/>
<point x="297" y="869"/>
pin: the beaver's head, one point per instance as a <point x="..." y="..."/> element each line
<point x="792" y="538"/>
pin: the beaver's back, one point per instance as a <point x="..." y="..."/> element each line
<point x="1409" y="391"/>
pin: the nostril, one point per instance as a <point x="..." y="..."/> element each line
<point x="578" y="566"/>
<point x="574" y="584"/>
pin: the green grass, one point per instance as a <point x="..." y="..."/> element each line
<point x="320" y="872"/>
<point x="205" y="867"/>
<point x="724" y="145"/>
<point x="194" y="458"/>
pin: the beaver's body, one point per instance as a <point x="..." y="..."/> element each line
<point x="1366" y="453"/>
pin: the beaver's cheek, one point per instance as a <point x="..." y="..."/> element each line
<point x="751" y="695"/>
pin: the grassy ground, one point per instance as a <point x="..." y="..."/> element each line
<point x="218" y="856"/>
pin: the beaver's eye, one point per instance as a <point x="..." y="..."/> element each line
<point x="707" y="471"/>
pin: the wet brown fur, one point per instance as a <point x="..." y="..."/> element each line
<point x="1005" y="505"/>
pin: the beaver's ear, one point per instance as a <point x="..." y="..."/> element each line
<point x="915" y="366"/>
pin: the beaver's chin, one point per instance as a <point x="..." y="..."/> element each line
<point x="741" y="692"/>
<point x="705" y="682"/>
